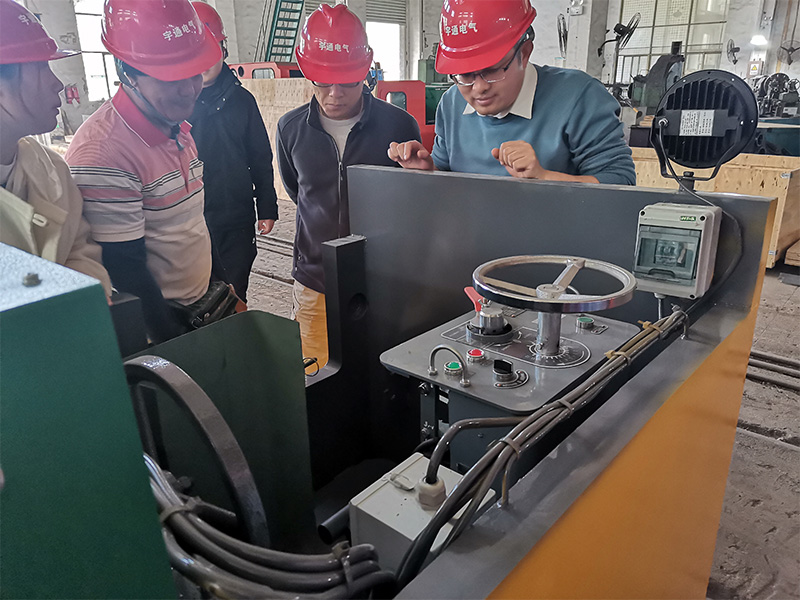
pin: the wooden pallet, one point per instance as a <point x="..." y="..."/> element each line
<point x="793" y="255"/>
<point x="748" y="174"/>
<point x="276" y="97"/>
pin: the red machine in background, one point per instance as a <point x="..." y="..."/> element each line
<point x="410" y="95"/>
<point x="265" y="70"/>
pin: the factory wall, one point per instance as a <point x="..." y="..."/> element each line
<point x="243" y="20"/>
<point x="586" y="35"/>
<point x="58" y="17"/>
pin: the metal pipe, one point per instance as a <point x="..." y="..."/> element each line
<point x="760" y="364"/>
<point x="549" y="334"/>
<point x="335" y="526"/>
<point x="774" y="381"/>
<point x="784" y="360"/>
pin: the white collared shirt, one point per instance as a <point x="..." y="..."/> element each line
<point x="523" y="105"/>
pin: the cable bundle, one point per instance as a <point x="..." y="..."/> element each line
<point x="229" y="568"/>
<point x="471" y="490"/>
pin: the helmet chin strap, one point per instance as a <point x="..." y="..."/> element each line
<point x="150" y="111"/>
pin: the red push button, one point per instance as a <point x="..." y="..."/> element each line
<point x="475" y="354"/>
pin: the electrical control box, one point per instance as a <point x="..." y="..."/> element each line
<point x="389" y="515"/>
<point x="676" y="248"/>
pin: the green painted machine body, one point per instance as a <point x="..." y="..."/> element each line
<point x="77" y="516"/>
<point x="250" y="365"/>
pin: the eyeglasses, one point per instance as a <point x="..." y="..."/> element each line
<point x="344" y="85"/>
<point x="488" y="75"/>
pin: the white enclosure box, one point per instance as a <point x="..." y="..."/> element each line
<point x="676" y="248"/>
<point x="388" y="514"/>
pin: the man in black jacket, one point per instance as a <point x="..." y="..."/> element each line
<point x="233" y="144"/>
<point x="343" y="125"/>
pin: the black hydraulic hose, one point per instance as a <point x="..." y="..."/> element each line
<point x="507" y="455"/>
<point x="760" y="364"/>
<point x="789" y="385"/>
<point x="284" y="580"/>
<point x="354" y="580"/>
<point x="282" y="561"/>
<point x="212" y="579"/>
<point x="335" y="526"/>
<point x="416" y="554"/>
<point x="456" y="428"/>
<point x="264" y="556"/>
<point x="783" y="360"/>
<point x="423" y="446"/>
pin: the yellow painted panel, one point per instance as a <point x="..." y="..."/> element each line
<point x="646" y="527"/>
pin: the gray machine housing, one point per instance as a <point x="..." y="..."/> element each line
<point x="485" y="397"/>
<point x="414" y="247"/>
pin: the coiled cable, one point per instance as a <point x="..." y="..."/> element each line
<point x="229" y="568"/>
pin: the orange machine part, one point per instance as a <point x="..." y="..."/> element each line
<point x="647" y="526"/>
<point x="414" y="91"/>
<point x="279" y="70"/>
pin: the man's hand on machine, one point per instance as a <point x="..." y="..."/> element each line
<point x="519" y="159"/>
<point x="411" y="155"/>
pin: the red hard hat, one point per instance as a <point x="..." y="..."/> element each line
<point x="211" y="18"/>
<point x="333" y="46"/>
<point x="161" y="38"/>
<point x="476" y="34"/>
<point x="23" y="39"/>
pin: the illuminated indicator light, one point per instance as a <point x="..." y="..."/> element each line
<point x="453" y="365"/>
<point x="475" y="352"/>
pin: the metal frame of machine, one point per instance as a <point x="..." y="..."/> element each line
<point x="379" y="296"/>
<point x="628" y="488"/>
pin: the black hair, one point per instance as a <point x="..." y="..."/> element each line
<point x="125" y="71"/>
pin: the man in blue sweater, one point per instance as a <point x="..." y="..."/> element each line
<point x="506" y="116"/>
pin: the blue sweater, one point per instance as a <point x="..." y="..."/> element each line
<point x="574" y="128"/>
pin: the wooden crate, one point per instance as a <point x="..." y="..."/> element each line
<point x="750" y="174"/>
<point x="276" y="97"/>
<point x="793" y="255"/>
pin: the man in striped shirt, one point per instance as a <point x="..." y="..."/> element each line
<point x="136" y="164"/>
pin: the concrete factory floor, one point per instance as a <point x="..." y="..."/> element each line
<point x="758" y="545"/>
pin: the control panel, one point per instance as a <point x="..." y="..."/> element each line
<point x="507" y="372"/>
<point x="521" y="348"/>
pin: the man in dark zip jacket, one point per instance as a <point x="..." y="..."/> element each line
<point x="233" y="144"/>
<point x="343" y="125"/>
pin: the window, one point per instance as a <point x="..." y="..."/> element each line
<point x="697" y="24"/>
<point x="384" y="38"/>
<point x="98" y="64"/>
<point x="386" y="31"/>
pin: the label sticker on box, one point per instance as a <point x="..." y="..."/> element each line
<point x="697" y="123"/>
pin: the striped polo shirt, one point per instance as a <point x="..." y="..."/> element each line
<point x="137" y="183"/>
